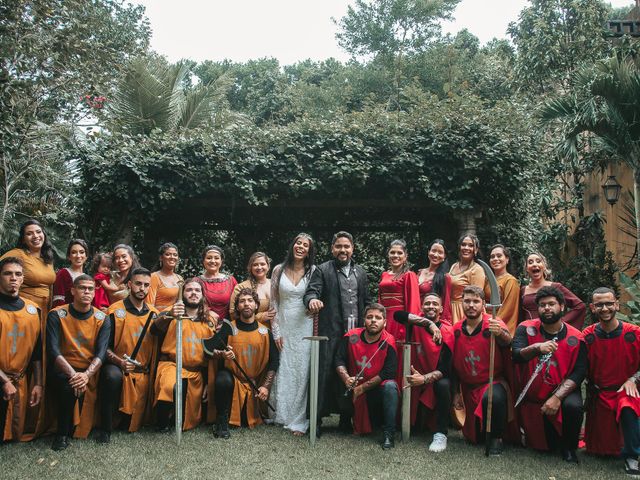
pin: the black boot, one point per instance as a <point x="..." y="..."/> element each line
<point x="61" y="442"/>
<point x="495" y="447"/>
<point x="569" y="456"/>
<point x="388" y="441"/>
<point x="222" y="426"/>
<point x="103" y="437"/>
<point x="345" y="425"/>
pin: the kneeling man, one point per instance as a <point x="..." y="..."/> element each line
<point x="366" y="362"/>
<point x="247" y="347"/>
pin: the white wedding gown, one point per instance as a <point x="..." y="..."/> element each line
<point x="291" y="386"/>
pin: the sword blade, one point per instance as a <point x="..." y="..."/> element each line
<point x="143" y="333"/>
<point x="533" y="377"/>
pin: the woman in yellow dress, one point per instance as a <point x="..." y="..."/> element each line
<point x="35" y="251"/>
<point x="509" y="286"/>
<point x="163" y="292"/>
<point x="465" y="272"/>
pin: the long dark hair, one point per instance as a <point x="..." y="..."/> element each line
<point x="288" y="261"/>
<point x="438" y="283"/>
<point x="135" y="263"/>
<point x="46" y="252"/>
<point x="203" y="309"/>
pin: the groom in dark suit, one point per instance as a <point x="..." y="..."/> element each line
<point x="338" y="291"/>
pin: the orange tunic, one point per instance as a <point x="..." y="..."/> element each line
<point x="38" y="280"/>
<point x="193" y="362"/>
<point x="19" y="333"/>
<point x="160" y="295"/>
<point x="263" y="307"/>
<point x="252" y="353"/>
<point x="127" y="327"/>
<point x="78" y="346"/>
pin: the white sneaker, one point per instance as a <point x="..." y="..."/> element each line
<point x="439" y="443"/>
<point x="631" y="467"/>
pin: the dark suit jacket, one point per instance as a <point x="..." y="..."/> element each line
<point x="324" y="285"/>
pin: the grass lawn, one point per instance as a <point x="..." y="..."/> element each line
<point x="271" y="452"/>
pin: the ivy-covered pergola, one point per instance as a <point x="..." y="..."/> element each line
<point x="438" y="171"/>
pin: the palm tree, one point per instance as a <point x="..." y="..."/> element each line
<point x="155" y="95"/>
<point x="605" y="102"/>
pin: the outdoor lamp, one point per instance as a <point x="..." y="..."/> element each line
<point x="611" y="190"/>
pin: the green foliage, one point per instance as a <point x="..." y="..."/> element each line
<point x="554" y="38"/>
<point x="631" y="306"/>
<point x="54" y="53"/>
<point x="581" y="260"/>
<point x="386" y="28"/>
<point x="451" y="150"/>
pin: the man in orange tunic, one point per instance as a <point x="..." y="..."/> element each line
<point x="124" y="383"/>
<point x="21" y="349"/>
<point x="252" y="345"/>
<point x="77" y="337"/>
<point x="198" y="323"/>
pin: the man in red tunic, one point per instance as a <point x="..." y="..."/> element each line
<point x="471" y="367"/>
<point x="430" y="372"/>
<point x="366" y="362"/>
<point x="613" y="404"/>
<point x="551" y="411"/>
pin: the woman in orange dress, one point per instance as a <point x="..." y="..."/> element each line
<point x="35" y="251"/>
<point x="164" y="289"/>
<point x="509" y="286"/>
<point x="465" y="272"/>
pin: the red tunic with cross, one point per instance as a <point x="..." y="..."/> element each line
<point x="424" y="358"/>
<point x="359" y="354"/>
<point x="611" y="362"/>
<point x="471" y="364"/>
<point x="559" y="367"/>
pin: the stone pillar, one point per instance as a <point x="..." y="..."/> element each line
<point x="467" y="220"/>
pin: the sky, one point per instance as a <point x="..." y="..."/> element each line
<point x="289" y="30"/>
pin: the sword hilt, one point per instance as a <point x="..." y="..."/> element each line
<point x="132" y="361"/>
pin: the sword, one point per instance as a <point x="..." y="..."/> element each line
<point x="132" y="358"/>
<point x="494" y="305"/>
<point x="542" y="361"/>
<point x="315" y="340"/>
<point x="361" y="372"/>
<point x="178" y="396"/>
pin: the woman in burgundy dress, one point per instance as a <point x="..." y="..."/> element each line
<point x="217" y="287"/>
<point x="435" y="278"/>
<point x="539" y="274"/>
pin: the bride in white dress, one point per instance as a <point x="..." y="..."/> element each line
<point x="290" y="325"/>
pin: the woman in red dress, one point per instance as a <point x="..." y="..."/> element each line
<point x="539" y="274"/>
<point x="216" y="286"/>
<point x="398" y="288"/>
<point x="435" y="278"/>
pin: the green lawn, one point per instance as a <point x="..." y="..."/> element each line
<point x="271" y="452"/>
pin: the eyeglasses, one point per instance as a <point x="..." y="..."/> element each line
<point x="602" y="305"/>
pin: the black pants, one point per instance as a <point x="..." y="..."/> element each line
<point x="65" y="400"/>
<point x="109" y="390"/>
<point x="442" y="391"/>
<point x="631" y="432"/>
<point x="572" y="414"/>
<point x="224" y="391"/>
<point x="498" y="412"/>
<point x="164" y="409"/>
<point x="382" y="403"/>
